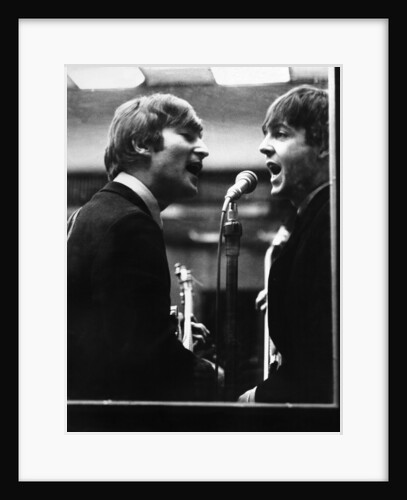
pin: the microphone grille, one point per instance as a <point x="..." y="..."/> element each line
<point x="250" y="177"/>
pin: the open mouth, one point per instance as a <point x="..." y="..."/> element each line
<point x="274" y="168"/>
<point x="194" y="167"/>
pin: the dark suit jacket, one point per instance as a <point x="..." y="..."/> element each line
<point x="121" y="341"/>
<point x="300" y="311"/>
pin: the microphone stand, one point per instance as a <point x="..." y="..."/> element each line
<point x="232" y="231"/>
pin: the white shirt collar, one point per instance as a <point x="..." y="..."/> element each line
<point x="145" y="194"/>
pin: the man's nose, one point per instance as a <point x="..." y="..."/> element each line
<point x="266" y="148"/>
<point x="201" y="149"/>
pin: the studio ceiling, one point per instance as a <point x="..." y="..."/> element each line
<point x="232" y="115"/>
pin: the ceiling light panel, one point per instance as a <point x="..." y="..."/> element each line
<point x="92" y="77"/>
<point x="250" y="75"/>
<point x="177" y="75"/>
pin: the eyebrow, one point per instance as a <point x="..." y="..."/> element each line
<point x="192" y="128"/>
<point x="280" y="124"/>
<point x="274" y="126"/>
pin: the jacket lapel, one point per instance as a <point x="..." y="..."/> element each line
<point x="302" y="221"/>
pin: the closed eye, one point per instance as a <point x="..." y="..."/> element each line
<point x="189" y="136"/>
<point x="280" y="134"/>
<point x="279" y="131"/>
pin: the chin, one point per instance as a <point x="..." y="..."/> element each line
<point x="189" y="192"/>
<point x="275" y="190"/>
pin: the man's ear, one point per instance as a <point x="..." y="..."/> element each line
<point x="141" y="148"/>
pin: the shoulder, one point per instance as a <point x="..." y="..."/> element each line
<point x="108" y="207"/>
<point x="316" y="220"/>
<point x="134" y="221"/>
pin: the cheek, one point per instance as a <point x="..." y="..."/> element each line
<point x="178" y="154"/>
<point x="294" y="158"/>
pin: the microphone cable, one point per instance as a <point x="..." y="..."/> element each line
<point x="217" y="299"/>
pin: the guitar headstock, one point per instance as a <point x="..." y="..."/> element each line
<point x="183" y="274"/>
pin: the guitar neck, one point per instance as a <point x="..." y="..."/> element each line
<point x="188" y="312"/>
<point x="185" y="281"/>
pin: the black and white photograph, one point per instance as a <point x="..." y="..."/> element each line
<point x="190" y="280"/>
<point x="184" y="280"/>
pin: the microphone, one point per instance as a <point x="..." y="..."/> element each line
<point x="245" y="182"/>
